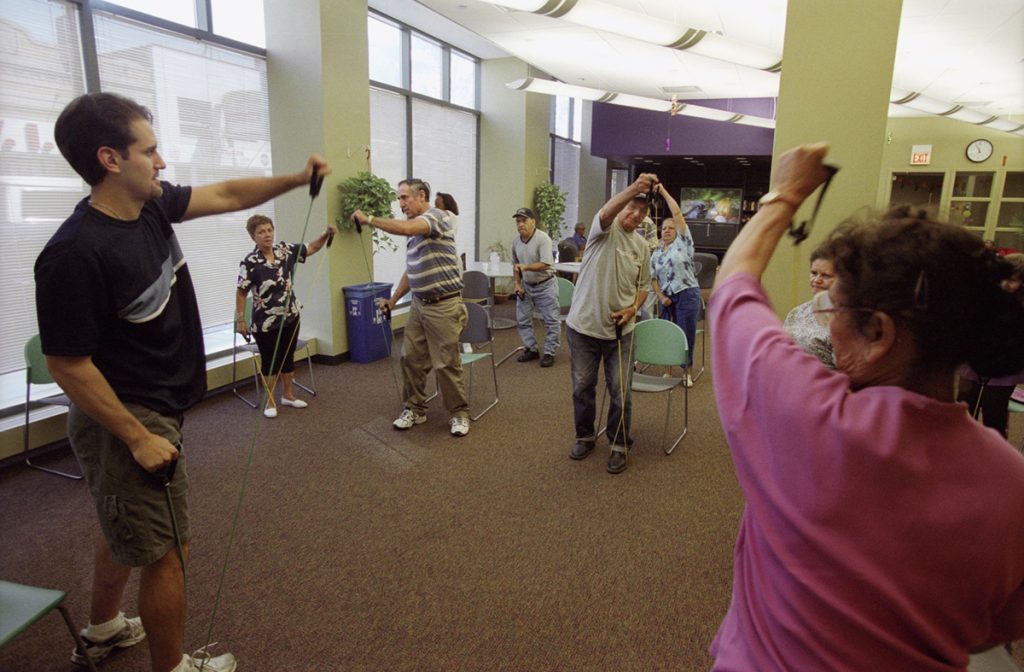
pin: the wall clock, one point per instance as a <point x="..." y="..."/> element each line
<point x="979" y="150"/>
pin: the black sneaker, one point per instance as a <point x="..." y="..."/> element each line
<point x="547" y="360"/>
<point x="616" y="462"/>
<point x="131" y="634"/>
<point x="528" y="356"/>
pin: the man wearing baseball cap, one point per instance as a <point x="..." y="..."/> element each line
<point x="534" y="274"/>
<point x="612" y="285"/>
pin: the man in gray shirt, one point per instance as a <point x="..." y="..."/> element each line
<point x="612" y="285"/>
<point x="536" y="287"/>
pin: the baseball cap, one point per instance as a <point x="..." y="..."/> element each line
<point x="523" y="212"/>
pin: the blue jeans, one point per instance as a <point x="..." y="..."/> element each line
<point x="586" y="354"/>
<point x="684" y="311"/>
<point x="545" y="298"/>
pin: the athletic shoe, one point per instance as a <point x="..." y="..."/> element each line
<point x="407" y="419"/>
<point x="460" y="425"/>
<point x="131" y="634"/>
<point x="547" y="360"/>
<point x="528" y="356"/>
<point x="294" y="403"/>
<point x="200" y="660"/>
<point x="270" y="412"/>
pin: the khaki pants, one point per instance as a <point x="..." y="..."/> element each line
<point x="431" y="341"/>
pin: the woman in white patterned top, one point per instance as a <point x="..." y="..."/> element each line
<point x="800" y="322"/>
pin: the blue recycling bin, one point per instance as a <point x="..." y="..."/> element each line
<point x="369" y="334"/>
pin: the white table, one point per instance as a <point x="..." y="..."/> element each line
<point x="568" y="266"/>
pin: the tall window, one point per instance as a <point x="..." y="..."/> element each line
<point x="426" y="92"/>
<point x="210" y="114"/>
<point x="566" y="116"/>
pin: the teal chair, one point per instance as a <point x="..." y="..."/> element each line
<point x="662" y="343"/>
<point x="476" y="333"/>
<point x="565" y="292"/>
<point x="21" y="606"/>
<point x="658" y="343"/>
<point x="36" y="373"/>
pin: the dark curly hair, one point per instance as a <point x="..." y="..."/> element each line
<point x="92" y="121"/>
<point x="938" y="280"/>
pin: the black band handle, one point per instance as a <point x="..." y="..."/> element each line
<point x="315" y="182"/>
<point x="359" y="227"/>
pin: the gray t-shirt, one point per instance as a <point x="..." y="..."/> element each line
<point x="537" y="248"/>
<point x="615" y="268"/>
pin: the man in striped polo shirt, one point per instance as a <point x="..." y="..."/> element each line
<point x="437" y="314"/>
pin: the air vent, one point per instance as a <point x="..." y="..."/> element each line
<point x="680" y="89"/>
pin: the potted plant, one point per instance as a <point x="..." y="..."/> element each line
<point x="373" y="195"/>
<point x="549" y="206"/>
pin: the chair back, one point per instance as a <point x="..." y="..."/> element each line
<point x="708" y="267"/>
<point x="565" y="290"/>
<point x="568" y="250"/>
<point x="36" y="372"/>
<point x="660" y="342"/>
<point x="476" y="286"/>
<point x="476" y="329"/>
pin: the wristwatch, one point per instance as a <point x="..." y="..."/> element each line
<point x="777" y="196"/>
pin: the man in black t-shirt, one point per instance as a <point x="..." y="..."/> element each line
<point x="122" y="336"/>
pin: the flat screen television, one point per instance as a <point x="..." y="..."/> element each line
<point x="712" y="204"/>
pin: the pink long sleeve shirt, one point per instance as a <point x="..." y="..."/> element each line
<point x="883" y="530"/>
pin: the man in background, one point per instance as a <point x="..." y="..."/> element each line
<point x="534" y="274"/>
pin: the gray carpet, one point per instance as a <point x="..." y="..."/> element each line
<point x="363" y="548"/>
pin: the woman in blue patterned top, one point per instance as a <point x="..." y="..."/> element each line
<point x="268" y="272"/>
<point x="674" y="276"/>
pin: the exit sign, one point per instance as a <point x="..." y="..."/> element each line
<point x="920" y="155"/>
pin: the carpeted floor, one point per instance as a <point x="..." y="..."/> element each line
<point x="362" y="548"/>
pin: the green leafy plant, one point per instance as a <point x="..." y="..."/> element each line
<point x="549" y="206"/>
<point x="373" y="195"/>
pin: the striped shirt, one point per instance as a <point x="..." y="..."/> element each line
<point x="433" y="265"/>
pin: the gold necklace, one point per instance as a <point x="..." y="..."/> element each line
<point x="106" y="209"/>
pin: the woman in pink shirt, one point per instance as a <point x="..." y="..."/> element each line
<point x="884" y="528"/>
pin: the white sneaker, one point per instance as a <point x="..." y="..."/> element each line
<point x="408" y="418"/>
<point x="460" y="425"/>
<point x="203" y="661"/>
<point x="131" y="634"/>
<point x="294" y="403"/>
<point x="270" y="412"/>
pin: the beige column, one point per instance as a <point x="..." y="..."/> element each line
<point x="318" y="81"/>
<point x="836" y="76"/>
<point x="514" y="148"/>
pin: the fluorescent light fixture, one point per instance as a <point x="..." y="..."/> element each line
<point x="970" y="116"/>
<point x="553" y="88"/>
<point x="612" y="19"/>
<point x="521" y="5"/>
<point x="1001" y="124"/>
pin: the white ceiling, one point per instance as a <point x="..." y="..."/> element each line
<point x="967" y="52"/>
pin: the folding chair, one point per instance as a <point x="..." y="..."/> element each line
<point x="707" y="268"/>
<point x="254" y="351"/>
<point x="21" y="606"/>
<point x="476" y="332"/>
<point x="662" y="343"/>
<point x="1017" y="407"/>
<point x="476" y="288"/>
<point x="36" y="373"/>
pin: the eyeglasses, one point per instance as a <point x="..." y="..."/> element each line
<point x="824" y="310"/>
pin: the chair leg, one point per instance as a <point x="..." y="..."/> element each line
<point x="494" y="375"/>
<point x="703" y="350"/>
<point x="234" y="381"/>
<point x="28" y="460"/>
<point x="312" y="382"/>
<point x="686" y="419"/>
<point x="79" y="644"/>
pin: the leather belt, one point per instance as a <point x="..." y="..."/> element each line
<point x="437" y="299"/>
<point x="534" y="284"/>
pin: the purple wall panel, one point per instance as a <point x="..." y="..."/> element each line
<point x="622" y="132"/>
